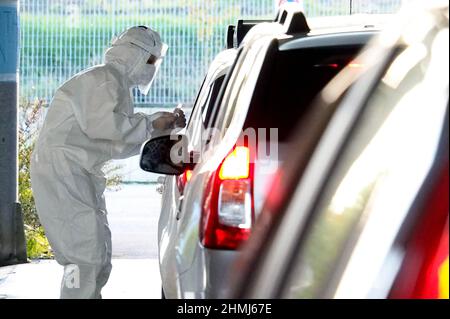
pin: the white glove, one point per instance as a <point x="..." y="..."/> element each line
<point x="169" y="120"/>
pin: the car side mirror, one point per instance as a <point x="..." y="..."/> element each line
<point x="165" y="155"/>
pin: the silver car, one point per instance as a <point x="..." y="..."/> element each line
<point x="171" y="265"/>
<point x="210" y="207"/>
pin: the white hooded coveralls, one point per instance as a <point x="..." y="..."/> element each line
<point x="89" y="122"/>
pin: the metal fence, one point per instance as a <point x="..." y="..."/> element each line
<point x="60" y="38"/>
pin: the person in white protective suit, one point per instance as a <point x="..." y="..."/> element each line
<point x="89" y="122"/>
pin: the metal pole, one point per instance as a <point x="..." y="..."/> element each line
<point x="12" y="240"/>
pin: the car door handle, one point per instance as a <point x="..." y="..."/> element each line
<point x="160" y="185"/>
<point x="179" y="206"/>
<point x="160" y="188"/>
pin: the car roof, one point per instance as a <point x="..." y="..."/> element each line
<point x="327" y="40"/>
<point x="333" y="23"/>
<point x="225" y="56"/>
<point x="221" y="63"/>
<point x="349" y="34"/>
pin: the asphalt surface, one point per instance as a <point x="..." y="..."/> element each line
<point x="133" y="214"/>
<point x="41" y="279"/>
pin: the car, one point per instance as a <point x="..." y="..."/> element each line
<point x="279" y="68"/>
<point x="361" y="210"/>
<point x="172" y="186"/>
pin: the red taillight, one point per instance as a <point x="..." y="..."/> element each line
<point x="228" y="203"/>
<point x="424" y="273"/>
<point x="434" y="277"/>
<point x="183" y="179"/>
<point x="355" y="65"/>
<point x="188" y="175"/>
<point x="328" y="65"/>
<point x="236" y="165"/>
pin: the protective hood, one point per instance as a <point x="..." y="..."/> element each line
<point x="131" y="50"/>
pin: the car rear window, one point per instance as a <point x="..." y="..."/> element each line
<point x="288" y="83"/>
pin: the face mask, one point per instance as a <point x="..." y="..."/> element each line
<point x="144" y="78"/>
<point x="144" y="74"/>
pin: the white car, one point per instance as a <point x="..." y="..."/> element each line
<point x="363" y="208"/>
<point x="208" y="209"/>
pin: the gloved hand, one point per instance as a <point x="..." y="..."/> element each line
<point x="169" y="120"/>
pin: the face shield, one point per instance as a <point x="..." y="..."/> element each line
<point x="150" y="69"/>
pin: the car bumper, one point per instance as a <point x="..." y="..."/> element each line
<point x="209" y="275"/>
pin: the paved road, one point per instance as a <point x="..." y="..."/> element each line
<point x="130" y="279"/>
<point x="133" y="214"/>
<point x="133" y="217"/>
